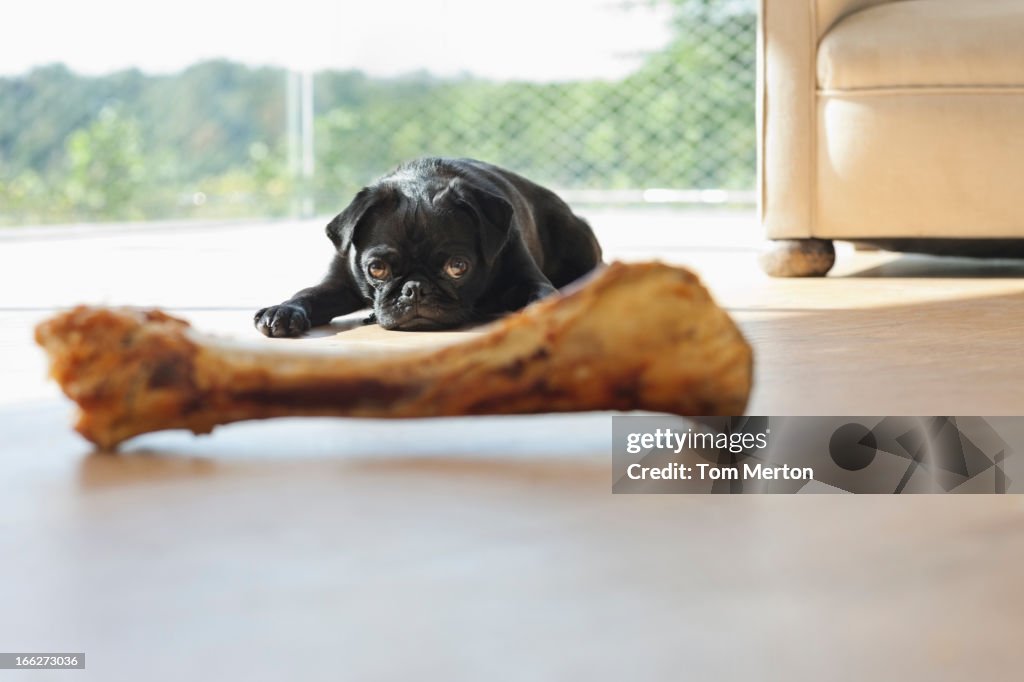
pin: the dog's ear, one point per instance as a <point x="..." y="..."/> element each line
<point x="493" y="214"/>
<point x="341" y="230"/>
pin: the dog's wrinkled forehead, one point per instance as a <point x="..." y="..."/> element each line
<point x="416" y="221"/>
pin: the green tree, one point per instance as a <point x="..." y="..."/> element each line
<point x="106" y="169"/>
<point x="210" y="141"/>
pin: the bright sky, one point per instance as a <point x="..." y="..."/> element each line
<point x="532" y="39"/>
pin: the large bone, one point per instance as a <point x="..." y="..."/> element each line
<point x="634" y="337"/>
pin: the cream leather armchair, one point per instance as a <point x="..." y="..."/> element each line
<point x="897" y="122"/>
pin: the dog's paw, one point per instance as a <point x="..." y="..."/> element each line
<point x="541" y="291"/>
<point x="282" y="320"/>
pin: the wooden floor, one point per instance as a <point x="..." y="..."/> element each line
<point x="492" y="548"/>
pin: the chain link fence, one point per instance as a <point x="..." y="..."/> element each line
<point x="213" y="141"/>
<point x="679" y="128"/>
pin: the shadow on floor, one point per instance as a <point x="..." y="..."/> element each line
<point x="942" y="267"/>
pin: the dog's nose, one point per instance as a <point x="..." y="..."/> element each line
<point x="411" y="290"/>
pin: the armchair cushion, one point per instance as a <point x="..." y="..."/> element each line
<point x="925" y="43"/>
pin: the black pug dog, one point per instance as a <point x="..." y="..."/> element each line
<point x="438" y="243"/>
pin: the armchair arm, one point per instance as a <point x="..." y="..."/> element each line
<point x="788" y="35"/>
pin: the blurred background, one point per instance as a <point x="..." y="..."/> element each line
<point x="115" y="111"/>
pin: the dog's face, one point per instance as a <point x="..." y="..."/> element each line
<point x="422" y="271"/>
<point x="425" y="260"/>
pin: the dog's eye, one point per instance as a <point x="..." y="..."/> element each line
<point x="456" y="267"/>
<point x="378" y="269"/>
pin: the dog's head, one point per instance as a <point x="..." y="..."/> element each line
<point x="423" y="255"/>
